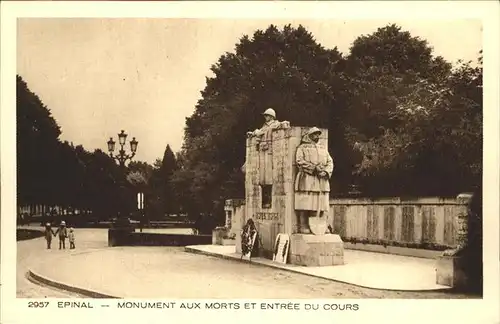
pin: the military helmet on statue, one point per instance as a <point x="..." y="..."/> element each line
<point x="314" y="130"/>
<point x="270" y="112"/>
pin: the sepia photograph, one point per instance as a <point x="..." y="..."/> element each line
<point x="293" y="159"/>
<point x="321" y="161"/>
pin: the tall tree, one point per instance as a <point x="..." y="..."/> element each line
<point x="168" y="167"/>
<point x="383" y="69"/>
<point x="103" y="178"/>
<point x="398" y="92"/>
<point x="285" y="69"/>
<point x="163" y="197"/>
<point x="71" y="181"/>
<point x="37" y="143"/>
<point x="51" y="172"/>
<point x="140" y="176"/>
<point x="437" y="148"/>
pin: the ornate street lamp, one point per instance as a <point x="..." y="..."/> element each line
<point x="122" y="157"/>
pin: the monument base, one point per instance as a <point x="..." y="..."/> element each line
<point x="449" y="272"/>
<point x="218" y="235"/>
<point x="228" y="242"/>
<point x="238" y="243"/>
<point x="316" y="250"/>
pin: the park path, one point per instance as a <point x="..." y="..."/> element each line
<point x="169" y="272"/>
<point x="33" y="252"/>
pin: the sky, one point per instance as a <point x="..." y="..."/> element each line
<point x="99" y="76"/>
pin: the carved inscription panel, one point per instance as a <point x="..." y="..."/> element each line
<point x="274" y="217"/>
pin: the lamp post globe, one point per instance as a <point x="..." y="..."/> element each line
<point x="111" y="145"/>
<point x="121" y="158"/>
<point x="122" y="137"/>
<point x="133" y="145"/>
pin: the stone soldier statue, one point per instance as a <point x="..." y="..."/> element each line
<point x="312" y="187"/>
<point x="264" y="133"/>
<point x="264" y="138"/>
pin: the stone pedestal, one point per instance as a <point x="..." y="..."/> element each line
<point x="316" y="250"/>
<point x="449" y="272"/>
<point x="228" y="242"/>
<point x="238" y="243"/>
<point x="269" y="200"/>
<point x="271" y="205"/>
<point x="234" y="209"/>
<point x="218" y="235"/>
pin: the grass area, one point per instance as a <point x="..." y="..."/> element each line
<point x="27" y="234"/>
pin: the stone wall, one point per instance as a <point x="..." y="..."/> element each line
<point x="235" y="211"/>
<point x="124" y="238"/>
<point x="237" y="222"/>
<point x="276" y="215"/>
<point x="434" y="221"/>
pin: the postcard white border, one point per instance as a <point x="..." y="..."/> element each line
<point x="383" y="311"/>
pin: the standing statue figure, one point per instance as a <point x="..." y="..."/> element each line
<point x="264" y="133"/>
<point x="312" y="186"/>
<point x="263" y="137"/>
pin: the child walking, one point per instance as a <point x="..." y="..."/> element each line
<point x="48" y="235"/>
<point x="63" y="234"/>
<point x="71" y="238"/>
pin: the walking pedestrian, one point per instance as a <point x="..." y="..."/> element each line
<point x="71" y="238"/>
<point x="48" y="235"/>
<point x="63" y="234"/>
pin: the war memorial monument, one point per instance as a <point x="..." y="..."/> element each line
<point x="287" y="172"/>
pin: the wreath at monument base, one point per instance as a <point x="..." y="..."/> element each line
<point x="247" y="243"/>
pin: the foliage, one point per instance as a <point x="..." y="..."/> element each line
<point x="473" y="251"/>
<point x="424" y="135"/>
<point x="26" y="234"/>
<point x="285" y="69"/>
<point x="37" y="143"/>
<point x="145" y="169"/>
<point x="204" y="223"/>
<point x="137" y="179"/>
<point x="384" y="72"/>
<point x="401" y="122"/>
<point x="163" y="199"/>
<point x="54" y="172"/>
<point x="386" y="243"/>
<point x="168" y="167"/>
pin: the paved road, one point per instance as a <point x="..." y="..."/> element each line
<point x="28" y="253"/>
<point x="169" y="272"/>
<point x="33" y="252"/>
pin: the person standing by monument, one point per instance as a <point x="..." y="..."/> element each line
<point x="312" y="186"/>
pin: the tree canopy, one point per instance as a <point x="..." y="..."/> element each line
<point x="398" y="116"/>
<point x="401" y="121"/>
<point x="53" y="172"/>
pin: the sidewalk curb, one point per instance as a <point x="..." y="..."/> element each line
<point x="227" y="257"/>
<point x="59" y="285"/>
